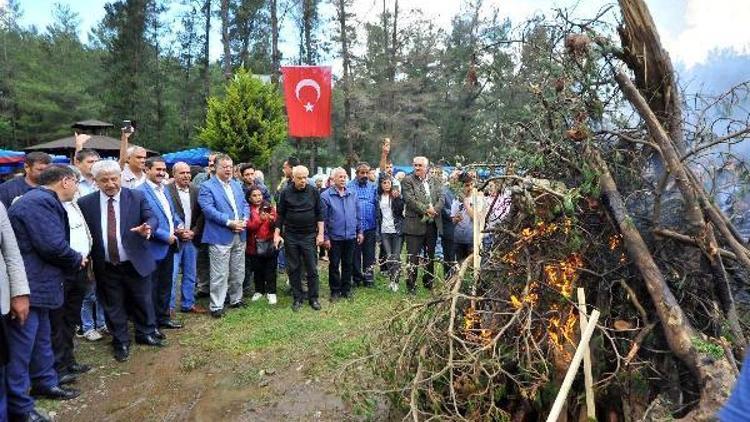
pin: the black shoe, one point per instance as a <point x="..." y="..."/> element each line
<point x="65" y="378"/>
<point x="315" y="304"/>
<point x="122" y="353"/>
<point x="370" y="285"/>
<point x="412" y="291"/>
<point x="33" y="416"/>
<point x="238" y="305"/>
<point x="200" y="295"/>
<point x="296" y="305"/>
<point x="334" y="297"/>
<point x="218" y="313"/>
<point x="79" y="368"/>
<point x="150" y="340"/>
<point x="347" y="295"/>
<point x="170" y="324"/>
<point x="158" y="334"/>
<point x="55" y="393"/>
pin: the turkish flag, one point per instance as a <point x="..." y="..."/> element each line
<point x="307" y="91"/>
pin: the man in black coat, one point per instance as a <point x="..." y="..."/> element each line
<point x="185" y="198"/>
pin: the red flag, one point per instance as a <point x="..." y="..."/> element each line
<point x="307" y="91"/>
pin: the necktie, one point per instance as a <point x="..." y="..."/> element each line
<point x="114" y="253"/>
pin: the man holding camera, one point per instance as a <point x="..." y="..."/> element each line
<point x="132" y="159"/>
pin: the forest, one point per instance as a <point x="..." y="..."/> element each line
<point x="446" y="91"/>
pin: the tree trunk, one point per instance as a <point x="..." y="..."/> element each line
<point x="308" y="14"/>
<point x="345" y="81"/>
<point x="275" y="55"/>
<point x="654" y="74"/>
<point x="227" y="59"/>
<point x="715" y="374"/>
<point x="205" y="75"/>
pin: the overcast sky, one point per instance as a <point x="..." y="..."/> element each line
<point x="690" y="29"/>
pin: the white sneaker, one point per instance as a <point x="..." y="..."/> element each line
<point x="256" y="297"/>
<point x="271" y="298"/>
<point x="393" y="286"/>
<point x="92" y="335"/>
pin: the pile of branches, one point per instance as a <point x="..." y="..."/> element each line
<point x="596" y="203"/>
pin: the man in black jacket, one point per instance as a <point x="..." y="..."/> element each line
<point x="185" y="198"/>
<point x="300" y="222"/>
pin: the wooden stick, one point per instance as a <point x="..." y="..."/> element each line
<point x="562" y="395"/>
<point x="587" y="375"/>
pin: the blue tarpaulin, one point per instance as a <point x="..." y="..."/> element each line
<point x="194" y="157"/>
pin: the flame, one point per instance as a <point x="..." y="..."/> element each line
<point x="615" y="241"/>
<point x="562" y="274"/>
<point x="561" y="333"/>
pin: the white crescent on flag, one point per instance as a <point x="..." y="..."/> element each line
<point x="311" y="83"/>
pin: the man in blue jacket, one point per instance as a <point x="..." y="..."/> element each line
<point x="121" y="221"/>
<point x="226" y="212"/>
<point x="163" y="243"/>
<point x="364" y="252"/>
<point x="343" y="228"/>
<point x="40" y="223"/>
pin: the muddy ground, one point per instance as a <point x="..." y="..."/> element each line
<point x="155" y="385"/>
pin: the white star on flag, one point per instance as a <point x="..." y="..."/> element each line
<point x="308" y="107"/>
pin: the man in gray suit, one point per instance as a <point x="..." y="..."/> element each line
<point x="422" y="223"/>
<point x="14" y="298"/>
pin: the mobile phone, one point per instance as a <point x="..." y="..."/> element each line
<point x="127" y="126"/>
<point x="266" y="208"/>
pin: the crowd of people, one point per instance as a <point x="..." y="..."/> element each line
<point x="86" y="249"/>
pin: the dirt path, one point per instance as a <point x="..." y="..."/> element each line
<point x="154" y="385"/>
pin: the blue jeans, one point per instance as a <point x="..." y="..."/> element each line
<point x="31" y="357"/>
<point x="282" y="259"/>
<point x="185" y="261"/>
<point x="364" y="259"/>
<point x="3" y="400"/>
<point x="89" y="307"/>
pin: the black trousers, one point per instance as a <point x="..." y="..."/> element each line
<point x="300" y="250"/>
<point x="161" y="285"/>
<point x="247" y="282"/>
<point x="462" y="250"/>
<point x="340" y="266"/>
<point x="364" y="259"/>
<point x="449" y="256"/>
<point x="264" y="273"/>
<point x="123" y="292"/>
<point x="64" y="319"/>
<point x="414" y="247"/>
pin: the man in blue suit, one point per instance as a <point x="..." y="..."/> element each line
<point x="40" y="223"/>
<point x="121" y="221"/>
<point x="226" y="213"/>
<point x="163" y="243"/>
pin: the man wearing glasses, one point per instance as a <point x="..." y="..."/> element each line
<point x="41" y="226"/>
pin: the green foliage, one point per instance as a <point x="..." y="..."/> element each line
<point x="711" y="349"/>
<point x="248" y="122"/>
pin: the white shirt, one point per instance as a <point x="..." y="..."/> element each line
<point x="80" y="237"/>
<point x="129" y="179"/>
<point x="184" y="195"/>
<point x="103" y="203"/>
<point x="162" y="197"/>
<point x="388" y="225"/>
<point x="230" y="195"/>
<point x="86" y="186"/>
<point x="426" y="185"/>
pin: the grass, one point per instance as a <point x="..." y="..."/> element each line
<point x="335" y="334"/>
